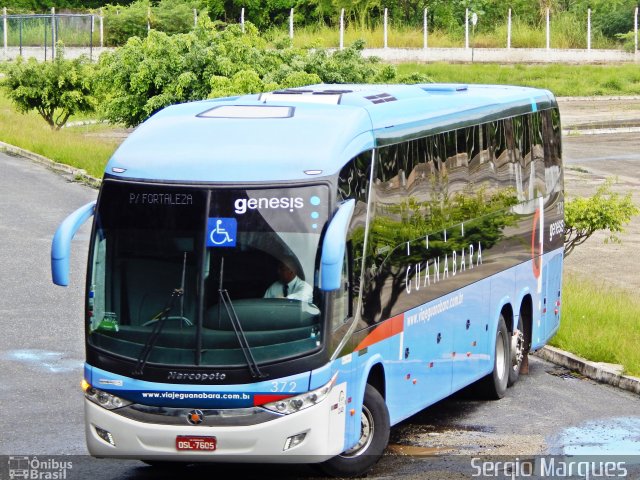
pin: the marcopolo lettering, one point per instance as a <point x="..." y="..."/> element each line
<point x="243" y="204"/>
<point x="196" y="376"/>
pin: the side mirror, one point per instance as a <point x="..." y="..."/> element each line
<point x="61" y="245"/>
<point x="333" y="247"/>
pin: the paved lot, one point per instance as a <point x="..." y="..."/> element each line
<point x="590" y="159"/>
<point x="599" y="112"/>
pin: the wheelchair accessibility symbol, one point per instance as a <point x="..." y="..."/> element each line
<point x="221" y="232"/>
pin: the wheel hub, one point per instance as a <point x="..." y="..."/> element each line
<point x="517" y="348"/>
<point x="366" y="435"/>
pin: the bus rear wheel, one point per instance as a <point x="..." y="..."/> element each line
<point x="518" y="352"/>
<point x="374" y="437"/>
<point x="494" y="385"/>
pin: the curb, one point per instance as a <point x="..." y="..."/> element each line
<point x="571" y="131"/>
<point x="76" y="174"/>
<point x="600" y="372"/>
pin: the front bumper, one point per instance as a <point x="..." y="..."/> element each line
<point x="324" y="425"/>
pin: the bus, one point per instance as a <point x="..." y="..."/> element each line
<point x="419" y="225"/>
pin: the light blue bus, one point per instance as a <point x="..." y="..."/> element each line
<point x="282" y="277"/>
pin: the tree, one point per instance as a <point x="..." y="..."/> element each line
<point x="56" y="90"/>
<point x="148" y="74"/>
<point x="605" y="210"/>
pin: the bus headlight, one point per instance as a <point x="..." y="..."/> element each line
<point x="104" y="399"/>
<point x="300" y="402"/>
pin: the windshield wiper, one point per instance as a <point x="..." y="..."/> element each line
<point x="159" y="325"/>
<point x="242" y="339"/>
<point x="235" y="323"/>
<point x="155" y="333"/>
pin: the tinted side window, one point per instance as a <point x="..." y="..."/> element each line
<point x="504" y="153"/>
<point x="536" y="170"/>
<point x="437" y="202"/>
<point x="552" y="150"/>
<point x="403" y="179"/>
<point x="353" y="183"/>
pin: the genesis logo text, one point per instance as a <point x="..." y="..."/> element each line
<point x="241" y="205"/>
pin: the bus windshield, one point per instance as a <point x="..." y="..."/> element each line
<point x="185" y="273"/>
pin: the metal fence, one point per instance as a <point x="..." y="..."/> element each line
<point x="470" y="22"/>
<point x="41" y="32"/>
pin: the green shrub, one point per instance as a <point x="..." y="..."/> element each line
<point x="150" y="73"/>
<point x="173" y="16"/>
<point x="628" y="41"/>
<point x="605" y="210"/>
<point x="614" y="22"/>
<point x="122" y="23"/>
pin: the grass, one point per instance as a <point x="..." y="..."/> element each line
<point x="565" y="33"/>
<point x="562" y="80"/>
<point x="401" y="37"/>
<point x="600" y="323"/>
<point x="87" y="147"/>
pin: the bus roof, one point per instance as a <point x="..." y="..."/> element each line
<point x="302" y="133"/>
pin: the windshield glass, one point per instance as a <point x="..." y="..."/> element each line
<point x="210" y="266"/>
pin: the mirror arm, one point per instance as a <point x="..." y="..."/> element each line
<point x="61" y="244"/>
<point x="333" y="247"/>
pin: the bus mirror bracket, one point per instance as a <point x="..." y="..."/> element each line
<point x="333" y="247"/>
<point x="61" y="244"/>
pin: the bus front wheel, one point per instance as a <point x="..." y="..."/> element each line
<point x="374" y="437"/>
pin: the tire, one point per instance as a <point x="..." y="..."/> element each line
<point x="494" y="385"/>
<point x="374" y="437"/>
<point x="518" y="350"/>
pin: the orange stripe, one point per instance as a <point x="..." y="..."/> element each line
<point x="386" y="329"/>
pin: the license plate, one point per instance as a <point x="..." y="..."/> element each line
<point x="184" y="442"/>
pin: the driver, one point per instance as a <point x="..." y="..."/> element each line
<point x="289" y="285"/>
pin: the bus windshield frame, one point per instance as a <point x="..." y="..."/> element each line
<point x="185" y="275"/>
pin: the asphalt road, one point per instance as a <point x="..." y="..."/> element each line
<point x="41" y="344"/>
<point x="41" y="353"/>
